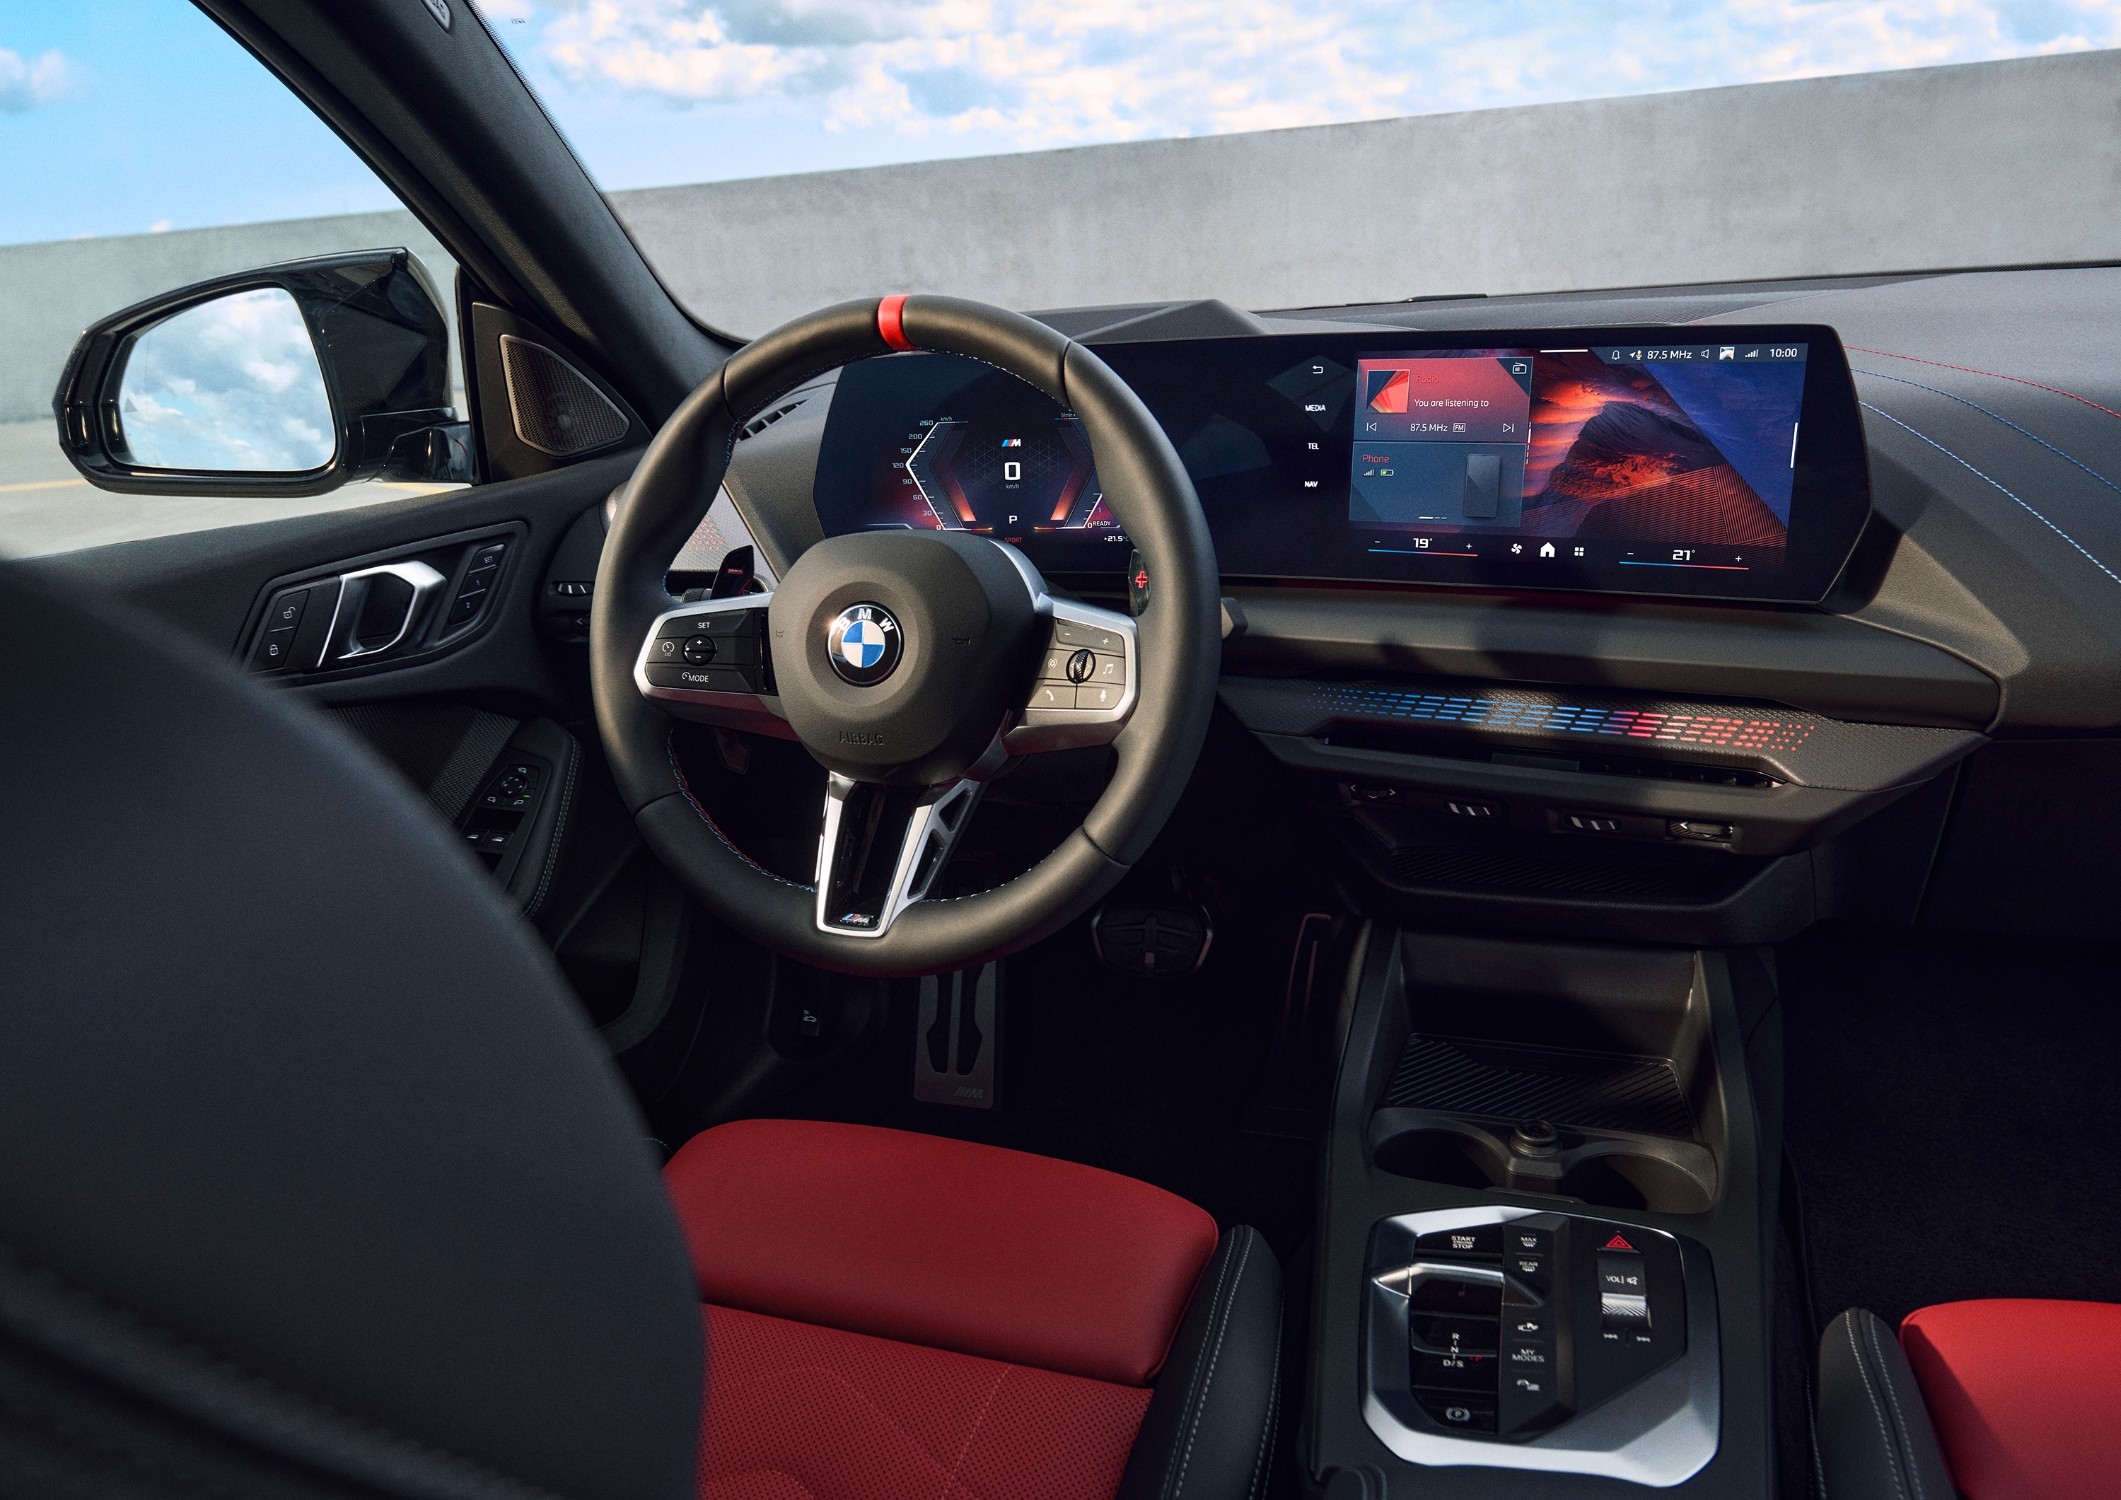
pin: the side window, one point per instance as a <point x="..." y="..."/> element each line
<point x="144" y="152"/>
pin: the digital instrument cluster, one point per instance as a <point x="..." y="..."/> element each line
<point x="1661" y="461"/>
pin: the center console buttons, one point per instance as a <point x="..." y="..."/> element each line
<point x="1482" y="1239"/>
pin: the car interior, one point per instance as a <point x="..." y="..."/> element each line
<point x="1454" y="899"/>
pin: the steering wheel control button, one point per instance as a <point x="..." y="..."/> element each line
<point x="702" y="679"/>
<point x="1053" y="695"/>
<point x="1082" y="664"/>
<point x="1070" y="633"/>
<point x="864" y="644"/>
<point x="699" y="650"/>
<point x="1102" y="696"/>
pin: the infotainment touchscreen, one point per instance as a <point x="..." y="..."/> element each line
<point x="1723" y="463"/>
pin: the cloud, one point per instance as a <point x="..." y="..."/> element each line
<point x="26" y="83"/>
<point x="1055" y="72"/>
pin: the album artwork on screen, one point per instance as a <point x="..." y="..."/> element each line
<point x="1674" y="457"/>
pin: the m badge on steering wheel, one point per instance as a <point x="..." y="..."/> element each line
<point x="864" y="644"/>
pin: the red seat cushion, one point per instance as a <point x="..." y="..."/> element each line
<point x="953" y="1246"/>
<point x="799" y="1412"/>
<point x="2025" y="1395"/>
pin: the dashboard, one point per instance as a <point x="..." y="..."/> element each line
<point x="1652" y="460"/>
<point x="1479" y="723"/>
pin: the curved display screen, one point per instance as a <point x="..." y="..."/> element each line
<point x="1627" y="460"/>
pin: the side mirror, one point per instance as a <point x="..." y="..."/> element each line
<point x="290" y="380"/>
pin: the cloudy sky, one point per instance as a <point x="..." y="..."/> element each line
<point x="176" y="127"/>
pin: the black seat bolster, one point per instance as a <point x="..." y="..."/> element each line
<point x="1876" y="1441"/>
<point x="1209" y="1431"/>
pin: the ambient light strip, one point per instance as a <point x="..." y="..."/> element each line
<point x="1710" y="731"/>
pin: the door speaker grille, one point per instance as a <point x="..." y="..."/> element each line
<point x="555" y="407"/>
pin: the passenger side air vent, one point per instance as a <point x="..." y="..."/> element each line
<point x="557" y="410"/>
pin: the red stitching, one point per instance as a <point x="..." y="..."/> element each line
<point x="670" y="748"/>
<point x="2053" y="390"/>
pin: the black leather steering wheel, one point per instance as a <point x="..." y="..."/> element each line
<point x="912" y="665"/>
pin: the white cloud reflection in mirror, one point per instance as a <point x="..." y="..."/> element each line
<point x="231" y="385"/>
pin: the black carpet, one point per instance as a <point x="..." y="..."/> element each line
<point x="1954" y="1119"/>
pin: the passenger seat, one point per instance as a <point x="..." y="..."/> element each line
<point x="2007" y="1399"/>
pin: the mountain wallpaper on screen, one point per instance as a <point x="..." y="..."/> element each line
<point x="1614" y="456"/>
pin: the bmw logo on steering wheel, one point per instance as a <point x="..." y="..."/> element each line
<point x="864" y="644"/>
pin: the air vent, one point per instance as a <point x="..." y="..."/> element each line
<point x="764" y="420"/>
<point x="556" y="409"/>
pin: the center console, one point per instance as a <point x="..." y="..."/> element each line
<point x="1547" y="1234"/>
<point x="1505" y="1338"/>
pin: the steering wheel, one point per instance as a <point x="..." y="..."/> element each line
<point x="911" y="665"/>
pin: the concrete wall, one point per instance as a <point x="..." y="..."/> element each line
<point x="1984" y="165"/>
<point x="50" y="292"/>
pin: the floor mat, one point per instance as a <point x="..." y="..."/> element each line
<point x="1954" y="1117"/>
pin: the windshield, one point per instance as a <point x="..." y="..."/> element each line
<point x="948" y="131"/>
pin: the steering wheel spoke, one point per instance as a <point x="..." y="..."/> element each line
<point x="882" y="847"/>
<point x="1088" y="680"/>
<point x="709" y="662"/>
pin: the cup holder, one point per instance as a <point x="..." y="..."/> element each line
<point x="1609" y="1170"/>
<point x="1626" y="1179"/>
<point x="1441" y="1153"/>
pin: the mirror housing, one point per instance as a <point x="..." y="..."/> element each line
<point x="381" y="342"/>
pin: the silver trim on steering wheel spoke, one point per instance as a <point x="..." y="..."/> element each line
<point x="709" y="662"/>
<point x="881" y="849"/>
<point x="1088" y="681"/>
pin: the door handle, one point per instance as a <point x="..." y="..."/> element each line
<point x="347" y="642"/>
